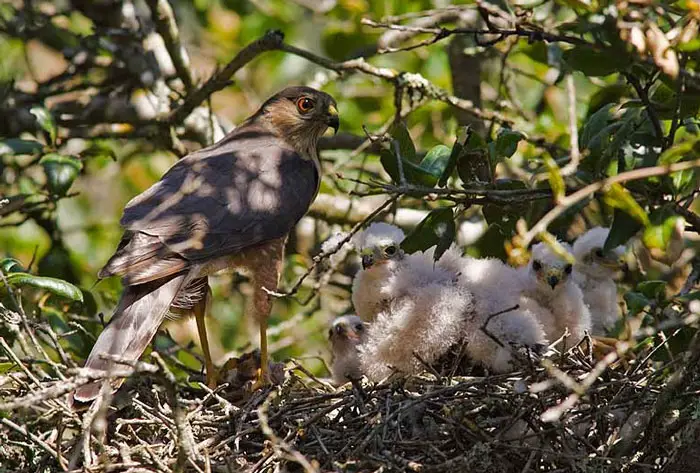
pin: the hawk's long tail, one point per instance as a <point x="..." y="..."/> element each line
<point x="135" y="321"/>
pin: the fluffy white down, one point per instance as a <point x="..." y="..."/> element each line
<point x="596" y="281"/>
<point x="426" y="321"/>
<point x="376" y="234"/>
<point x="556" y="309"/>
<point x="367" y="300"/>
<point x="345" y="364"/>
<point x="495" y="287"/>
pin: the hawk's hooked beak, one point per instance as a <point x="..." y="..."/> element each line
<point x="333" y="119"/>
<point x="614" y="264"/>
<point x="367" y="261"/>
<point x="553" y="281"/>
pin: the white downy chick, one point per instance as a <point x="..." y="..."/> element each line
<point x="345" y="335"/>
<point x="495" y="287"/>
<point x="422" y="320"/>
<point x="551" y="294"/>
<point x="594" y="273"/>
<point x="378" y="246"/>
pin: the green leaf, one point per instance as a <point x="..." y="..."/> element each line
<point x="595" y="124"/>
<point x="45" y="121"/>
<point x="610" y="94"/>
<point x="652" y="289"/>
<point x="623" y="228"/>
<point x="618" y="197"/>
<point x="19" y="146"/>
<point x="507" y="143"/>
<point x="11" y="265"/>
<point x="473" y="164"/>
<point x="55" y="286"/>
<point x="437" y="228"/>
<point x="686" y="149"/>
<point x="399" y="132"/>
<point x="636" y="302"/>
<point x="60" y="172"/>
<point x="435" y="162"/>
<point x="413" y="173"/>
<point x="455" y="154"/>
<point x="659" y="236"/>
<point x="556" y="181"/>
<point x="593" y="62"/>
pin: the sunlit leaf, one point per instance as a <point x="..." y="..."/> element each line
<point x="55" y="286"/>
<point x="438" y="228"/>
<point x="60" y="172"/>
<point x="455" y="154"/>
<point x="399" y="132"/>
<point x="19" y="146"/>
<point x="620" y="198"/>
<point x="556" y="181"/>
<point x="435" y="161"/>
<point x="659" y="235"/>
<point x="45" y="121"/>
<point x="413" y="173"/>
<point x="11" y="265"/>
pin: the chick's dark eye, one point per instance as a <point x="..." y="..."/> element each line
<point x="568" y="269"/>
<point x="536" y="265"/>
<point x="599" y="253"/>
<point x="305" y="104"/>
<point x="390" y="250"/>
<point x="359" y="327"/>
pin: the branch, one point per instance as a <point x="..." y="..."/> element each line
<point x="584" y="192"/>
<point x="270" y="41"/>
<point x="575" y="154"/>
<point x="442" y="33"/>
<point x="325" y="254"/>
<point x="164" y="19"/>
<point x="651" y="111"/>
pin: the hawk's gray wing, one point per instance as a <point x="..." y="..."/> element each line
<point x="245" y="190"/>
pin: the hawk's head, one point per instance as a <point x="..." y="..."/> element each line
<point x="301" y="115"/>
<point x="379" y="246"/>
<point x="348" y="329"/>
<point x="549" y="269"/>
<point x="591" y="257"/>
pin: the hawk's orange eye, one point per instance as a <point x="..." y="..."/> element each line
<point x="305" y="104"/>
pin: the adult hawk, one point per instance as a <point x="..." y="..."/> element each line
<point x="230" y="205"/>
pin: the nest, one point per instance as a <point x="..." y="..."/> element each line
<point x="564" y="413"/>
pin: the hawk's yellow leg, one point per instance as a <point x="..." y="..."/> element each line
<point x="263" y="375"/>
<point x="200" y="312"/>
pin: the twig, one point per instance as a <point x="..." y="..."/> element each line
<point x="575" y="153"/>
<point x="323" y="255"/>
<point x="442" y="33"/>
<point x="590" y="189"/>
<point x="651" y="111"/>
<point x="164" y="18"/>
<point x="270" y="41"/>
<point x="46" y="447"/>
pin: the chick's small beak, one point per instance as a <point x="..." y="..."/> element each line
<point x="612" y="263"/>
<point x="367" y="261"/>
<point x="552" y="281"/>
<point x="352" y="335"/>
<point x="333" y="119"/>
